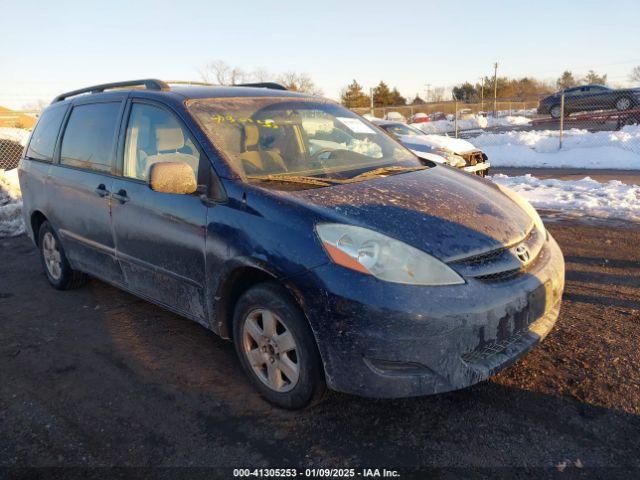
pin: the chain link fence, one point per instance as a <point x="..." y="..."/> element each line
<point x="12" y="141"/>
<point x="582" y="127"/>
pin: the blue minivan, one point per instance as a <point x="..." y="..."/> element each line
<point x="329" y="253"/>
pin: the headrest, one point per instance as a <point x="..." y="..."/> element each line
<point x="169" y="138"/>
<point x="251" y="136"/>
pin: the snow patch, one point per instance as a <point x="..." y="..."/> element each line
<point x="587" y="197"/>
<point x="10" y="204"/>
<point x="471" y="122"/>
<point x="580" y="149"/>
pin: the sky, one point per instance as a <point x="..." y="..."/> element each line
<point x="53" y="46"/>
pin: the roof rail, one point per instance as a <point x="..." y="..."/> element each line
<point x="189" y="82"/>
<point x="271" y="85"/>
<point x="149" y="84"/>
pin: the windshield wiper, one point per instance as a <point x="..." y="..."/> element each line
<point x="293" y="179"/>
<point x="388" y="170"/>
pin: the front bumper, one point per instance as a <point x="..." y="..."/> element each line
<point x="385" y="340"/>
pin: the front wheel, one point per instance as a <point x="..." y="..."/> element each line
<point x="54" y="261"/>
<point x="276" y="347"/>
<point x="623" y="103"/>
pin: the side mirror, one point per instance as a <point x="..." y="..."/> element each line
<point x="172" y="177"/>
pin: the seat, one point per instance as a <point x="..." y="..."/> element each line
<point x="169" y="139"/>
<point x="256" y="160"/>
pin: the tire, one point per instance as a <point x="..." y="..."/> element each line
<point x="54" y="261"/>
<point x="623" y="103"/>
<point x="276" y="347"/>
<point x="554" y="111"/>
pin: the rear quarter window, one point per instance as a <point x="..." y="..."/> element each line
<point x="89" y="136"/>
<point x="43" y="138"/>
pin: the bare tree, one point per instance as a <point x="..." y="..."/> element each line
<point x="222" y="73"/>
<point x="299" y="82"/>
<point x="437" y="94"/>
<point x="634" y="76"/>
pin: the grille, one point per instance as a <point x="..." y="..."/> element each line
<point x="501" y="264"/>
<point x="483" y="258"/>
<point x="491" y="349"/>
<point x="501" y="276"/>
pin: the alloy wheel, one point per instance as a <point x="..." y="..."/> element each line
<point x="271" y="350"/>
<point x="51" y="255"/>
<point x="623" y="104"/>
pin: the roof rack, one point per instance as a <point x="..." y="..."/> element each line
<point x="271" y="85"/>
<point x="154" y="84"/>
<point x="189" y="82"/>
<point x="149" y="84"/>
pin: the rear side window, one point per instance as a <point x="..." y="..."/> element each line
<point x="89" y="137"/>
<point x="43" y="139"/>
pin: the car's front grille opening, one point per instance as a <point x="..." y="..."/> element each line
<point x="489" y="350"/>
<point x="501" y="276"/>
<point x="483" y="258"/>
<point x="502" y="264"/>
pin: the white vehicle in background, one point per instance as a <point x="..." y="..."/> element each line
<point x="454" y="152"/>
<point x="395" y="117"/>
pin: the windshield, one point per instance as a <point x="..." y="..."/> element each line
<point x="269" y="138"/>
<point x="401" y="129"/>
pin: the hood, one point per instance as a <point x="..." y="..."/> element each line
<point x="435" y="142"/>
<point x="447" y="214"/>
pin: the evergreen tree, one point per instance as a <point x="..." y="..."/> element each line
<point x="397" y="98"/>
<point x="566" y="80"/>
<point x="382" y="96"/>
<point x="353" y="96"/>
<point x="465" y="92"/>
<point x="417" y="100"/>
<point x="592" y="77"/>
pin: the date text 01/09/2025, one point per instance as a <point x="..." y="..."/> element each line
<point x="316" y="473"/>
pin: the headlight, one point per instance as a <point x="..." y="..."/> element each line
<point x="390" y="260"/>
<point x="526" y="206"/>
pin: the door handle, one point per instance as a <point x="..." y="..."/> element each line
<point x="121" y="196"/>
<point x="101" y="190"/>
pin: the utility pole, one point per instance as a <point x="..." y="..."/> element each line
<point x="428" y="93"/>
<point x="495" y="89"/>
<point x="482" y="93"/>
<point x="371" y="100"/>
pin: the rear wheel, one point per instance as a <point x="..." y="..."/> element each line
<point x="623" y="103"/>
<point x="555" y="111"/>
<point x="276" y="347"/>
<point x="55" y="264"/>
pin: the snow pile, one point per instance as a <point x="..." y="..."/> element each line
<point x="508" y="120"/>
<point x="470" y="122"/>
<point x="10" y="204"/>
<point x="585" y="197"/>
<point x="15" y="134"/>
<point x="580" y="149"/>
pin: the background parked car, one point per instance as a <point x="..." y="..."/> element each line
<point x="589" y="98"/>
<point x="395" y="117"/>
<point x="454" y="152"/>
<point x="420" y="118"/>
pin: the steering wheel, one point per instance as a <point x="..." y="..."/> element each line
<point x="316" y="155"/>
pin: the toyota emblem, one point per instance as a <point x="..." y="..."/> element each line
<point x="522" y="252"/>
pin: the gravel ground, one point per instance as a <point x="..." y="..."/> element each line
<point x="97" y="378"/>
